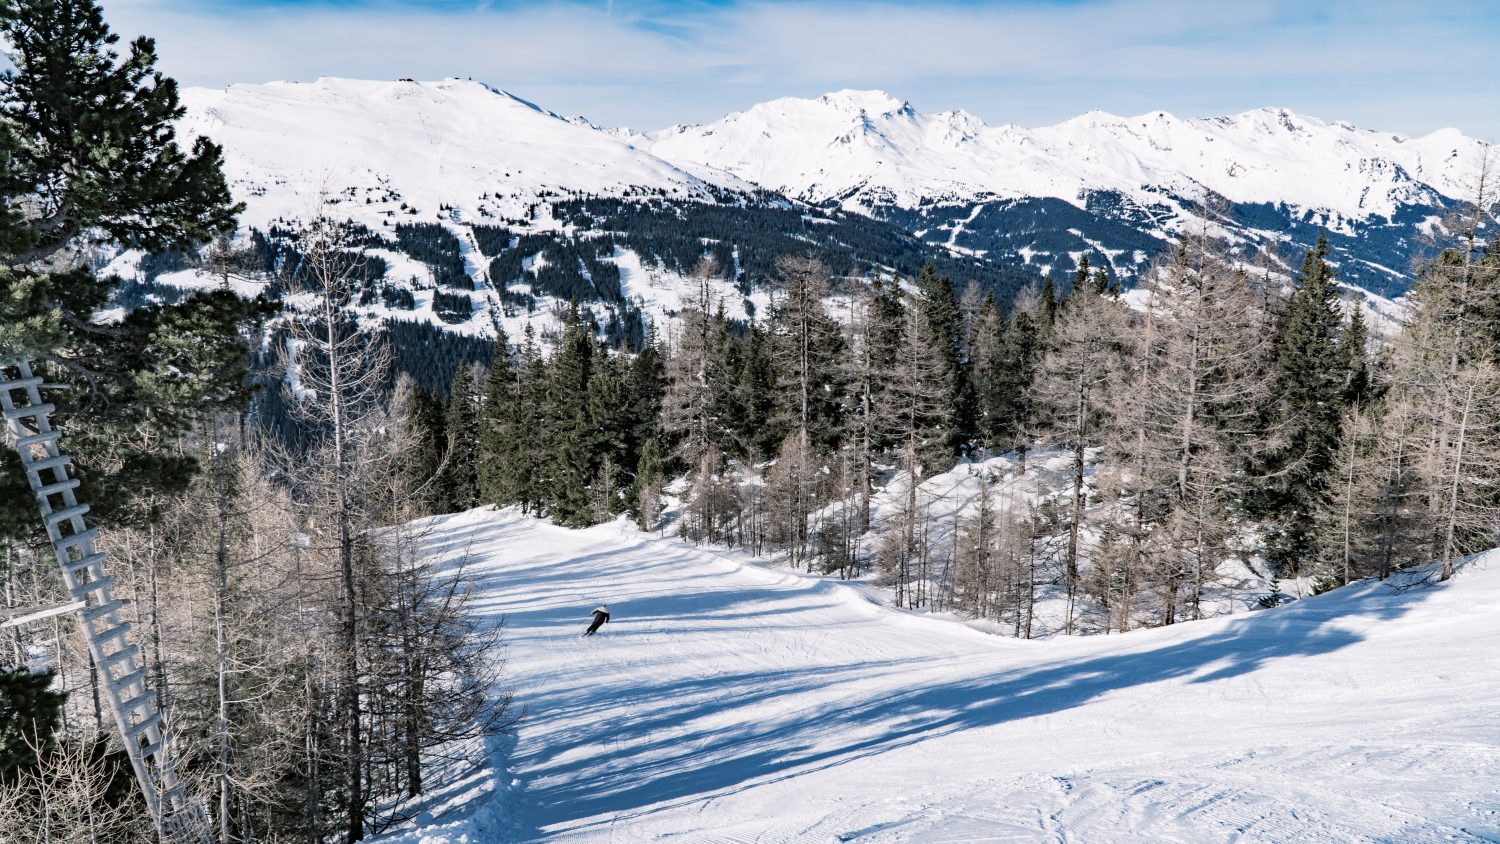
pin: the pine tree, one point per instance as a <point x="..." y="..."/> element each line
<point x="1048" y="308"/>
<point x="89" y="152"/>
<point x="460" y="423"/>
<point x="609" y="425"/>
<point x="1081" y="277"/>
<point x="496" y="408"/>
<point x="977" y="556"/>
<point x="425" y="460"/>
<point x="1007" y="396"/>
<point x="644" y="388"/>
<point x="754" y="397"/>
<point x="645" y="489"/>
<point x="30" y="713"/>
<point x="806" y="347"/>
<point x="943" y="318"/>
<point x="915" y="415"/>
<point x="1445" y="369"/>
<point x="1348" y="519"/>
<point x="874" y="339"/>
<point x="885" y="321"/>
<point x="569" y="465"/>
<point x="529" y="439"/>
<point x="1358" y="391"/>
<point x="1189" y="419"/>
<point x="689" y="414"/>
<point x="1309" y="381"/>
<point x="1102" y="284"/>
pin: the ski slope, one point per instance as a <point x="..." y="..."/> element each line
<point x="729" y="702"/>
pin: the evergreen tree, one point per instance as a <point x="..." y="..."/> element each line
<point x="645" y="490"/>
<point x="425" y="460"/>
<point x="1187" y="421"/>
<point x="1076" y="380"/>
<point x="644" y="388"/>
<point x="88" y="151"/>
<point x="885" y="320"/>
<point x="1309" y="381"/>
<point x="461" y="425"/>
<point x="1049" y="304"/>
<point x="942" y="317"/>
<point x="569" y="463"/>
<point x="985" y="339"/>
<point x="30" y="713"/>
<point x="1007" y="392"/>
<point x="689" y="416"/>
<point x="1444" y="370"/>
<point x="1102" y="283"/>
<point x="494" y="426"/>
<point x="915" y="414"/>
<point x="1358" y="391"/>
<point x="527" y="439"/>
<point x="754" y="393"/>
<point x="1081" y="277"/>
<point x="609" y="425"/>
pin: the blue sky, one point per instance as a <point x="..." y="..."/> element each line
<point x="650" y="63"/>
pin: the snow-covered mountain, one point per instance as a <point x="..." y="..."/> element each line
<point x="392" y="150"/>
<point x="955" y="180"/>
<point x="867" y="148"/>
<point x="482" y="212"/>
<point x="533" y="210"/>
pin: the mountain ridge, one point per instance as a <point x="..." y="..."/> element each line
<point x="1119" y="189"/>
<point x="1105" y="151"/>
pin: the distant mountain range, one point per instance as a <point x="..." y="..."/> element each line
<point x="543" y="208"/>
<point x="1098" y="182"/>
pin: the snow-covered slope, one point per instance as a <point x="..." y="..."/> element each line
<point x="869" y="147"/>
<point x="729" y="703"/>
<point x="374" y="147"/>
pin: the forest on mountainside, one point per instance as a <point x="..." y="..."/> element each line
<point x="1213" y="414"/>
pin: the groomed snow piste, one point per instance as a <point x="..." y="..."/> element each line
<point x="727" y="702"/>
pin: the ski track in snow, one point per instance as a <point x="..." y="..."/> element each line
<point x="727" y="702"/>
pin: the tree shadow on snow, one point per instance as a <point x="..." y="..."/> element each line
<point x="659" y="756"/>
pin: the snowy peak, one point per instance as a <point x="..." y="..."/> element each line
<point x="865" y="102"/>
<point x="868" y="148"/>
<point x="385" y="149"/>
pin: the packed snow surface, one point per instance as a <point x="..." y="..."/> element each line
<point x="731" y="702"/>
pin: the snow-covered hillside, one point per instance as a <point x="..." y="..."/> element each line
<point x="381" y="149"/>
<point x="868" y="148"/>
<point x="726" y="702"/>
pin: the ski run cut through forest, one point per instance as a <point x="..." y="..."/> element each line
<point x="829" y="473"/>
<point x="728" y="701"/>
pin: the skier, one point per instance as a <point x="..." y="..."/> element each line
<point x="601" y="615"/>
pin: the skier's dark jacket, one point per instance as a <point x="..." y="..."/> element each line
<point x="601" y="615"/>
